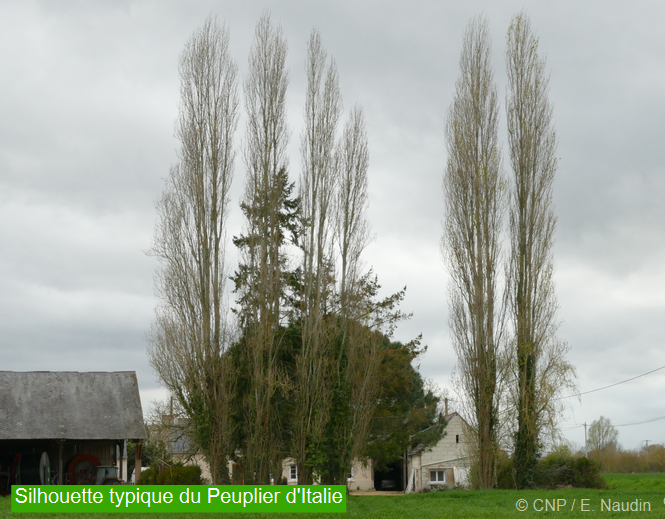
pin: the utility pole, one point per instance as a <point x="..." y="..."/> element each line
<point x="586" y="447"/>
<point x="646" y="448"/>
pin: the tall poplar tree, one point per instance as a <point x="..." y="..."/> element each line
<point x="269" y="211"/>
<point x="540" y="370"/>
<point x="318" y="180"/>
<point x="190" y="335"/>
<point x="473" y="193"/>
<point x="356" y="357"/>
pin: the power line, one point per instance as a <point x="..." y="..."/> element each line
<point x="640" y="423"/>
<point x="612" y="385"/>
<point x="617" y="425"/>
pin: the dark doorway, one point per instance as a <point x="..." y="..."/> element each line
<point x="392" y="478"/>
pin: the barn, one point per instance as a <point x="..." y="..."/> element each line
<point x="59" y="427"/>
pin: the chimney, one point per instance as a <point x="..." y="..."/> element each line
<point x="445" y="403"/>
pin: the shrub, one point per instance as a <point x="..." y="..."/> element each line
<point x="561" y="469"/>
<point x="149" y="476"/>
<point x="177" y="474"/>
<point x="504" y="473"/>
<point x="554" y="470"/>
<point x="587" y="474"/>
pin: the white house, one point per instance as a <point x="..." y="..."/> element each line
<point x="447" y="463"/>
<point x="360" y="478"/>
<point x="184" y="451"/>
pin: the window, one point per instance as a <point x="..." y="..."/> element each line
<point x="349" y="477"/>
<point x="457" y="438"/>
<point x="293" y="472"/>
<point x="437" y="476"/>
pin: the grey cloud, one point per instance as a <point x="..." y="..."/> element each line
<point x="90" y="93"/>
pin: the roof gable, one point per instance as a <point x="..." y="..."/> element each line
<point x="450" y="418"/>
<point x="70" y="405"/>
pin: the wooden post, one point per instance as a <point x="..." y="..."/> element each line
<point x="405" y="472"/>
<point x="121" y="446"/>
<point x="137" y="463"/>
<point x="60" y="447"/>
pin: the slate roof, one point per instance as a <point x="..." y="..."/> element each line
<point x="70" y="405"/>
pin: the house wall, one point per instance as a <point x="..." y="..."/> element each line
<point x="448" y="454"/>
<point x="362" y="476"/>
<point x="413" y="464"/>
<point x="286" y="471"/>
<point x="448" y="447"/>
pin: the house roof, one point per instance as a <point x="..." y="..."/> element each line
<point x="70" y="405"/>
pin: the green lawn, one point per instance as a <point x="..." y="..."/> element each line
<point x="624" y="488"/>
<point x="636" y="482"/>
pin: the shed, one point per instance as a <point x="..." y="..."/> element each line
<point x="65" y="415"/>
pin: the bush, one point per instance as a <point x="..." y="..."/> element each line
<point x="560" y="469"/>
<point x="149" y="476"/>
<point x="587" y="474"/>
<point x="554" y="470"/>
<point x="177" y="474"/>
<point x="504" y="473"/>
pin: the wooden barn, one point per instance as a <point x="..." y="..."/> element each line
<point x="67" y="427"/>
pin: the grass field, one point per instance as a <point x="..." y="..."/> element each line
<point x="623" y="488"/>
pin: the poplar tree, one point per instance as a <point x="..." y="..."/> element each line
<point x="474" y="197"/>
<point x="190" y="335"/>
<point x="356" y="358"/>
<point x="540" y="370"/>
<point x="269" y="213"/>
<point x="318" y="181"/>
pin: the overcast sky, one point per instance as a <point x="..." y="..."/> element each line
<point x="89" y="95"/>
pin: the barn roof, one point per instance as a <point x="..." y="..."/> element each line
<point x="70" y="405"/>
